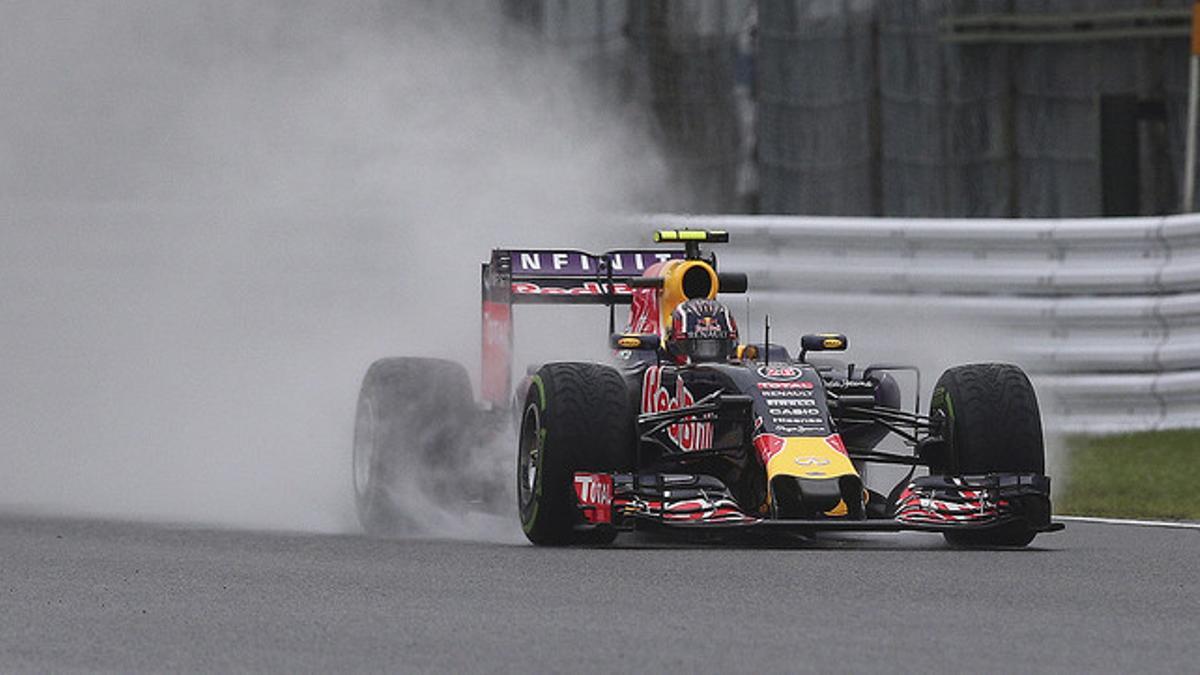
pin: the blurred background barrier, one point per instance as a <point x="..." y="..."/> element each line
<point x="922" y="108"/>
<point x="1104" y="313"/>
<point x="833" y="113"/>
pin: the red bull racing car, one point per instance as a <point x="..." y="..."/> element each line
<point x="689" y="430"/>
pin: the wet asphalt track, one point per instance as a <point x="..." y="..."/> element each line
<point x="78" y="595"/>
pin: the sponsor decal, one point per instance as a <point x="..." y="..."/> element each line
<point x="810" y="461"/>
<point x="689" y="436"/>
<point x="779" y="373"/>
<point x="791" y="402"/>
<point x="585" y="288"/>
<point x="595" y="493"/>
<point x="791" y="405"/>
<point x="768" y="386"/>
<point x="707" y="327"/>
<point x="568" y="263"/>
<point x="807" y="413"/>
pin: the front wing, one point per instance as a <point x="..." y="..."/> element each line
<point x="702" y="503"/>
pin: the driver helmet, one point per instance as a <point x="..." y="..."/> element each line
<point x="701" y="330"/>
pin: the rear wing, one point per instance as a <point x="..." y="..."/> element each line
<point x="567" y="275"/>
<point x="550" y="276"/>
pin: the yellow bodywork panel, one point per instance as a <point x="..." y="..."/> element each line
<point x="672" y="290"/>
<point x="809" y="457"/>
<point x="812" y="458"/>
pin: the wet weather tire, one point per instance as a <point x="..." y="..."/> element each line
<point x="575" y="417"/>
<point x="992" y="425"/>
<point x="410" y="417"/>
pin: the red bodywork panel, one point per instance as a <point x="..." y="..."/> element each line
<point x="496" y="352"/>
<point x="643" y="306"/>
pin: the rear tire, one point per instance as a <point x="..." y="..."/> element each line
<point x="992" y="425"/>
<point x="575" y="417"/>
<point x="413" y="415"/>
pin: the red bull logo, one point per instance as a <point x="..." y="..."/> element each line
<point x="689" y="436"/>
<point x="709" y="327"/>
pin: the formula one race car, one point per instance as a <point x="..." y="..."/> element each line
<point x="689" y="430"/>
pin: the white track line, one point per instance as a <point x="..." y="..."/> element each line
<point x="1124" y="521"/>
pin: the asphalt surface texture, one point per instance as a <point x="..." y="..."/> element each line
<point x="78" y="595"/>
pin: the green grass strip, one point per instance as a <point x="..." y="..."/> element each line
<point x="1142" y="475"/>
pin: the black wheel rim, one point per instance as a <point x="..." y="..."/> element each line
<point x="529" y="453"/>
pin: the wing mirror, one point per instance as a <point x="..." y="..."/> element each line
<point x="822" y="342"/>
<point x="636" y="341"/>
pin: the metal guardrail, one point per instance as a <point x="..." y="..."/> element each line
<point x="1108" y="309"/>
<point x="1127" y="24"/>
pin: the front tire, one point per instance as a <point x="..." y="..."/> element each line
<point x="575" y="417"/>
<point x="992" y="425"/>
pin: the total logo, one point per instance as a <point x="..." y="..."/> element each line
<point x="777" y="386"/>
<point x="689" y="436"/>
<point x="594" y="492"/>
<point x="779" y="373"/>
<point x="593" y="489"/>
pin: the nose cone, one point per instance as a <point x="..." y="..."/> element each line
<point x="796" y="497"/>
<point x="810" y="477"/>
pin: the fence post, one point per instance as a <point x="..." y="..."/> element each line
<point x="1189" y="167"/>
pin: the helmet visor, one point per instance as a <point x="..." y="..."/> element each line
<point x="707" y="349"/>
